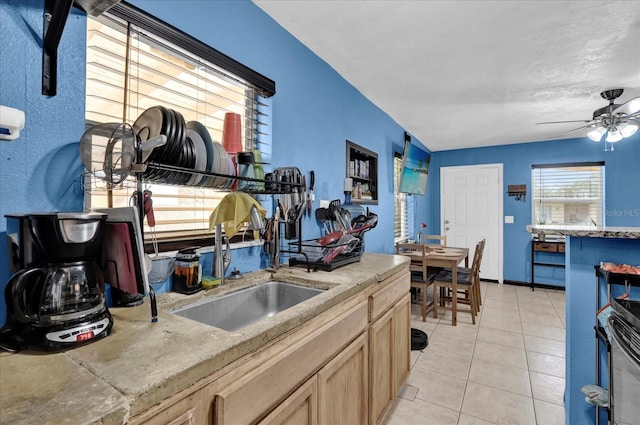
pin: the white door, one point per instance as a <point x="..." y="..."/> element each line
<point x="471" y="210"/>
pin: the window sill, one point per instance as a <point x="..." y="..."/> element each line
<point x="211" y="248"/>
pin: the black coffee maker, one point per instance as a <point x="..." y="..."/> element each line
<point x="55" y="298"/>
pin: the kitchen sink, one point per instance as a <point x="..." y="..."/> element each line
<point x="242" y="308"/>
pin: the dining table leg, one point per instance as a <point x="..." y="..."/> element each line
<point x="454" y="296"/>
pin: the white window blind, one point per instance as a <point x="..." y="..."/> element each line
<point x="568" y="194"/>
<point x="128" y="71"/>
<point x="401" y="222"/>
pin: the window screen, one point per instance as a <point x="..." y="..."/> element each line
<point x="568" y="194"/>
<point x="129" y="70"/>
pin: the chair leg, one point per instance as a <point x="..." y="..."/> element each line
<point x="424" y="304"/>
<point x="473" y="305"/>
<point x="435" y="300"/>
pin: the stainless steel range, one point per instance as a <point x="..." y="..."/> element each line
<point x="624" y="324"/>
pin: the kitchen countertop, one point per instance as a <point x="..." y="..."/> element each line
<point x="589" y="232"/>
<point x="142" y="363"/>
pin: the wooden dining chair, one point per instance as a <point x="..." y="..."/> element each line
<point x="468" y="285"/>
<point x="439" y="240"/>
<point x="465" y="291"/>
<point x="421" y="279"/>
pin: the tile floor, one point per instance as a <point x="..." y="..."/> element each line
<point x="506" y="369"/>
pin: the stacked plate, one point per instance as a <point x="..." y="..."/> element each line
<point x="189" y="146"/>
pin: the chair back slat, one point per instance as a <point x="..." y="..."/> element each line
<point x="418" y="263"/>
<point x="441" y="240"/>
<point x="477" y="260"/>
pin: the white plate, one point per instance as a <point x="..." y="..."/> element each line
<point x="202" y="131"/>
<point x="220" y="166"/>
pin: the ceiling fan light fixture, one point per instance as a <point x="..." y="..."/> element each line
<point x="627" y="130"/>
<point x="596" y="134"/>
<point x="614" y="136"/>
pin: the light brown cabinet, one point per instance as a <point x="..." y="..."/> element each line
<point x="300" y="408"/>
<point x="389" y="344"/>
<point x="402" y="340"/>
<point x="343" y="366"/>
<point x="389" y="359"/>
<point x="381" y="344"/>
<point x="343" y="386"/>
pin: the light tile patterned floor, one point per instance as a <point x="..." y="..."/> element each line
<point x="506" y="369"/>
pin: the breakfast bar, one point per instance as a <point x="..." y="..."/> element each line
<point x="587" y="247"/>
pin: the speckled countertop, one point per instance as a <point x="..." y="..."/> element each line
<point x="589" y="232"/>
<point x="142" y="363"/>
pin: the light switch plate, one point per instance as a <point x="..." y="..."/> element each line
<point x="508" y="219"/>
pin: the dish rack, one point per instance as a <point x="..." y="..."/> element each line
<point x="312" y="255"/>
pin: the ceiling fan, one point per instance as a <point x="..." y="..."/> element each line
<point x="617" y="121"/>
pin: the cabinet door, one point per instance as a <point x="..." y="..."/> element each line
<point x="382" y="382"/>
<point x="300" y="408"/>
<point x="402" y="340"/>
<point x="194" y="409"/>
<point x="343" y="386"/>
<point x="269" y="382"/>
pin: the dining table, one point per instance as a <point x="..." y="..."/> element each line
<point x="444" y="257"/>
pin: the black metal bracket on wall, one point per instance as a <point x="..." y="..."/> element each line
<point x="56" y="13"/>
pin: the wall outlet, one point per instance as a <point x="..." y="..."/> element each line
<point x="508" y="219"/>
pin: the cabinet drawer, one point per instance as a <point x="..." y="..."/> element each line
<point x="383" y="299"/>
<point x="561" y="247"/>
<point x="261" y="389"/>
<point x="545" y="246"/>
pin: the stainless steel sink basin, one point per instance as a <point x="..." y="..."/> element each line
<point x="247" y="306"/>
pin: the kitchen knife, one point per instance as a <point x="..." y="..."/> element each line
<point x="310" y="194"/>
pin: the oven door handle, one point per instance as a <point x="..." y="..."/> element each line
<point x="630" y="355"/>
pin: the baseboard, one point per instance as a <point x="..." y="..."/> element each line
<point x="535" y="285"/>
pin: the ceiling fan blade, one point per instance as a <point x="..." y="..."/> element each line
<point x="629" y="108"/>
<point x="576" y="129"/>
<point x="563" y="122"/>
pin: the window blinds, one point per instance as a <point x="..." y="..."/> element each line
<point x="568" y="194"/>
<point x="401" y="221"/>
<point x="129" y="71"/>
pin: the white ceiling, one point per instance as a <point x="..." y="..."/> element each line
<point x="460" y="74"/>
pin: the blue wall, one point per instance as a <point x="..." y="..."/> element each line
<point x="314" y="110"/>
<point x="622" y="190"/>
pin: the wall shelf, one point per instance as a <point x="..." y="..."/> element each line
<point x="362" y="167"/>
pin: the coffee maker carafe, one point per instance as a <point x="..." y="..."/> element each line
<point x="55" y="300"/>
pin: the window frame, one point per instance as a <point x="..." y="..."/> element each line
<point x="538" y="183"/>
<point x="401" y="201"/>
<point x="164" y="32"/>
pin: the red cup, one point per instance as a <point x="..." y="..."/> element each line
<point x="232" y="133"/>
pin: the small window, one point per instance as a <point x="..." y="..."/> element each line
<point x="568" y="194"/>
<point x="401" y="223"/>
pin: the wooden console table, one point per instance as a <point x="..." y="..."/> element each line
<point x="555" y="247"/>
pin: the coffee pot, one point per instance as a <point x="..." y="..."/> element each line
<point x="56" y="294"/>
<point x="55" y="298"/>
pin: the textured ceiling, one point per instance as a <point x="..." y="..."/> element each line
<point x="460" y="74"/>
